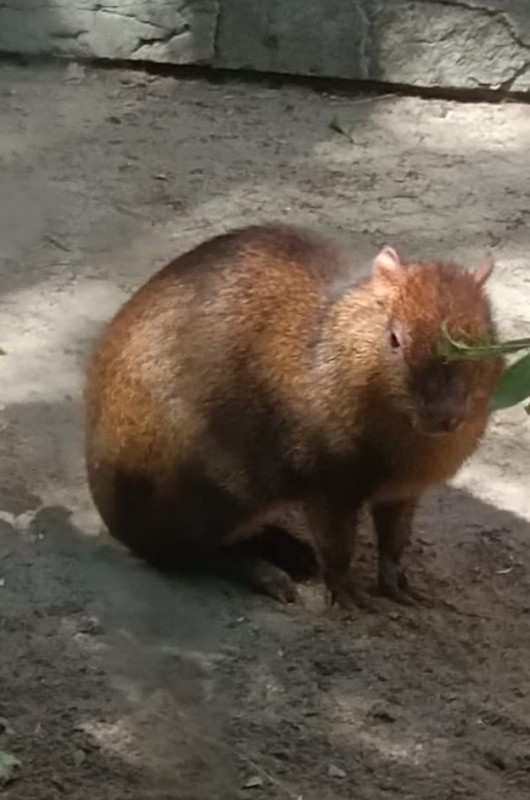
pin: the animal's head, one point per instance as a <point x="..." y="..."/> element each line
<point x="418" y="300"/>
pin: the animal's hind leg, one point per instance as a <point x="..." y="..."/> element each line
<point x="285" y="539"/>
<point x="266" y="551"/>
<point x="197" y="528"/>
<point x="243" y="564"/>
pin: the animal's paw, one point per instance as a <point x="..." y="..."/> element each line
<point x="270" y="580"/>
<point x="345" y="593"/>
<point x="393" y="583"/>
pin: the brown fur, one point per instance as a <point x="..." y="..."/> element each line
<point x="251" y="374"/>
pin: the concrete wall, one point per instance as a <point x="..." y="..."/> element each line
<point x="427" y="43"/>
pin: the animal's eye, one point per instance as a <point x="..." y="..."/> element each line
<point x="394" y="341"/>
<point x="395" y="334"/>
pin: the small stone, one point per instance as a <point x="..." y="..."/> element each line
<point x="382" y="713"/>
<point x="75" y="73"/>
<point x="496" y="760"/>
<point x="388" y="786"/>
<point x="253" y="783"/>
<point x="9" y="768"/>
<point x="23" y="521"/>
<point x="5" y="727"/>
<point x="336" y="772"/>
<point x="90" y="626"/>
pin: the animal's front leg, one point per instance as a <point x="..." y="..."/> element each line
<point x="393" y="526"/>
<point x="334" y="533"/>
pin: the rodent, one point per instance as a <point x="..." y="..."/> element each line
<point x="254" y="373"/>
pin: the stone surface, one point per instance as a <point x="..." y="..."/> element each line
<point x="454" y="44"/>
<point x="462" y="44"/>
<point x="445" y="43"/>
<point x="331" y="38"/>
<point x="167" y="31"/>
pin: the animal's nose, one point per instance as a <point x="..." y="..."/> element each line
<point x="451" y="424"/>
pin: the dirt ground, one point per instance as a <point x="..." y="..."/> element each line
<point x="116" y="683"/>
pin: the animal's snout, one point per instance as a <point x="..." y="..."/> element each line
<point x="452" y="423"/>
<point x="441" y="419"/>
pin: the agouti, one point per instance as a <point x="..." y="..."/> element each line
<point x="255" y="374"/>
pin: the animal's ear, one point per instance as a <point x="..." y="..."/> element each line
<point x="386" y="264"/>
<point x="483" y="271"/>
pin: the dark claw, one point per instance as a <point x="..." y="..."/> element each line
<point x="347" y="595"/>
<point x="412" y="593"/>
<point x="393" y="592"/>
<point x="393" y="583"/>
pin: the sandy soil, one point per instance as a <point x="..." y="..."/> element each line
<point x="116" y="683"/>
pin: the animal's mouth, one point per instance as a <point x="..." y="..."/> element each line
<point x="437" y="430"/>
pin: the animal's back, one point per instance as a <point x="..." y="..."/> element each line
<point x="187" y="378"/>
<point x="226" y="295"/>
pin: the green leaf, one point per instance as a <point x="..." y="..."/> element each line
<point x="338" y="125"/>
<point x="478" y="347"/>
<point x="513" y="386"/>
<point x="8" y="767"/>
<point x="2" y="352"/>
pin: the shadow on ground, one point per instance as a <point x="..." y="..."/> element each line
<point x="190" y="688"/>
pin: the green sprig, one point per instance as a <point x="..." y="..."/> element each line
<point x="513" y="386"/>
